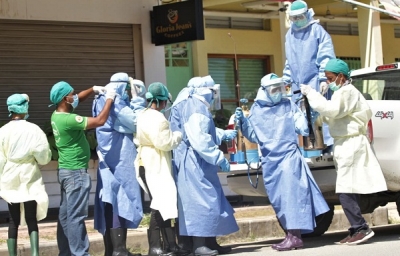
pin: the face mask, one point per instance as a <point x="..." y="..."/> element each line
<point x="333" y="86"/>
<point x="276" y="97"/>
<point x="75" y="103"/>
<point x="301" y="23"/>
<point x="26" y="116"/>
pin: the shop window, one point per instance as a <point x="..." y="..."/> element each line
<point x="397" y="31"/>
<point x="353" y="62"/>
<point x="250" y="69"/>
<point x="177" y="55"/>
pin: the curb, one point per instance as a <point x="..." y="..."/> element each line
<point x="250" y="229"/>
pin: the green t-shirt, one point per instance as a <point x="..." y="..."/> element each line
<point x="73" y="147"/>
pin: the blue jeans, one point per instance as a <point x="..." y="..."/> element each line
<point x="72" y="238"/>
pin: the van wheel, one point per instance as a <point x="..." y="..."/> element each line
<point x="322" y="221"/>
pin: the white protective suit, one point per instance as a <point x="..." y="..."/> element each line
<point x="347" y="115"/>
<point x="155" y="141"/>
<point x="24" y="147"/>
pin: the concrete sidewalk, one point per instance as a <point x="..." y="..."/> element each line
<point x="251" y="229"/>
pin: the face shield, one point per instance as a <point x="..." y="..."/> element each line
<point x="271" y="91"/>
<point x="169" y="103"/>
<point x="216" y="100"/>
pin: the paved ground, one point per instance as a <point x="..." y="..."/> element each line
<point x="252" y="229"/>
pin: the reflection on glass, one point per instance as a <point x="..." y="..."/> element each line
<point x="177" y="55"/>
<point x="379" y="86"/>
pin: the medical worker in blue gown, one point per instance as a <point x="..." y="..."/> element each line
<point x="308" y="48"/>
<point x="273" y="123"/>
<point x="118" y="204"/>
<point x="203" y="210"/>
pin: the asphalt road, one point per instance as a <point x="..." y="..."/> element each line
<point x="385" y="242"/>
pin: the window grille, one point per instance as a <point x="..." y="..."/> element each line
<point x="235" y="23"/>
<point x="337" y="28"/>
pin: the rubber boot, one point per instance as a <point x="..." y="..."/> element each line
<point x="118" y="238"/>
<point x="108" y="246"/>
<point x="155" y="247"/>
<point x="281" y="243"/>
<point x="12" y="246"/>
<point x="34" y="238"/>
<point x="184" y="242"/>
<point x="211" y="242"/>
<point x="200" y="248"/>
<point x="292" y="242"/>
<point x="168" y="235"/>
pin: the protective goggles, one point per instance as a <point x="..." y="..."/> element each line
<point x="297" y="17"/>
<point x="276" y="88"/>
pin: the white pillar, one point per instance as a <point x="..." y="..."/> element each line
<point x="284" y="26"/>
<point x="370" y="36"/>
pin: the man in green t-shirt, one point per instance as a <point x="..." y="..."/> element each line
<point x="74" y="154"/>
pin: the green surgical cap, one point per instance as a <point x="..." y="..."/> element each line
<point x="157" y="91"/>
<point x="59" y="91"/>
<point x="18" y="103"/>
<point x="337" y="66"/>
<point x="298" y="7"/>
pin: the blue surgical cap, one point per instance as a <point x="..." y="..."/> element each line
<point x="157" y="91"/>
<point x="18" y="103"/>
<point x="298" y="7"/>
<point x="59" y="91"/>
<point x="337" y="66"/>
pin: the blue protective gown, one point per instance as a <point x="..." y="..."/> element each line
<point x="307" y="66"/>
<point x="203" y="210"/>
<point x="116" y="182"/>
<point x="307" y="52"/>
<point x="288" y="181"/>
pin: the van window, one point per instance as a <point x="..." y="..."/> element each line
<point x="379" y="85"/>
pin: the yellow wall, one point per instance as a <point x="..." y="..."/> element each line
<point x="346" y="46"/>
<point x="390" y="44"/>
<point x="250" y="42"/>
<point x="253" y="42"/>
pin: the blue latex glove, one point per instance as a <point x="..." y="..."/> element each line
<point x="225" y="166"/>
<point x="314" y="115"/>
<point x="239" y="116"/>
<point x="229" y="134"/>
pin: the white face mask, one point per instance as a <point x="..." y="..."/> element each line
<point x="333" y="86"/>
<point x="75" y="103"/>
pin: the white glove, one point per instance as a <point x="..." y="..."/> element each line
<point x="323" y="88"/>
<point x="305" y="89"/>
<point x="137" y="87"/>
<point x="99" y="89"/>
<point x="110" y="94"/>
